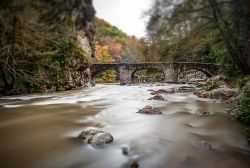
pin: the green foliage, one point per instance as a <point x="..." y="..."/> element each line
<point x="111" y="31"/>
<point x="69" y="47"/>
<point x="204" y="31"/>
<point x="108" y="76"/>
<point x="65" y="46"/>
<point x="106" y="29"/>
<point x="230" y="69"/>
<point x="217" y="53"/>
<point x="210" y="85"/>
<point x="242" y="109"/>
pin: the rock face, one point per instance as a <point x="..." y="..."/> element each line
<point x="96" y="137"/>
<point x="220" y="93"/>
<point x="149" y="110"/>
<point x="61" y="57"/>
<point x="76" y="73"/>
<point x="157" y="97"/>
<point x="74" y="70"/>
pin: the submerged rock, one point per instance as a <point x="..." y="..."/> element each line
<point x="134" y="164"/>
<point x="183" y="89"/>
<point x="205" y="113"/>
<point x="204" y="145"/>
<point x="125" y="151"/>
<point x="96" y="137"/>
<point x="156" y="97"/>
<point x="149" y="110"/>
<point x="151" y="90"/>
<point x="167" y="91"/>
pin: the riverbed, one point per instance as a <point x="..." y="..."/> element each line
<point x="41" y="130"/>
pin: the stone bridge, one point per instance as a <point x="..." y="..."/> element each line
<point x="172" y="71"/>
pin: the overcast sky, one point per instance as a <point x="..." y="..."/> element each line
<point x="127" y="15"/>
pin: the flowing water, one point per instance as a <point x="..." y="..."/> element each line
<point x="41" y="131"/>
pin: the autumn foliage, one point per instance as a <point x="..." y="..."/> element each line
<point x="113" y="45"/>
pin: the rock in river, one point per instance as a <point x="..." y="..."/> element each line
<point x="96" y="137"/>
<point x="220" y="93"/>
<point x="156" y="97"/>
<point x="149" y="110"/>
<point x="166" y="91"/>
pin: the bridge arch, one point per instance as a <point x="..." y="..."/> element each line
<point x="208" y="69"/>
<point x="192" y="76"/>
<point x="100" y="68"/>
<point x="146" y="68"/>
<point x="96" y="73"/>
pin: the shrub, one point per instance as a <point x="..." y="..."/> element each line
<point x="242" y="109"/>
<point x="108" y="76"/>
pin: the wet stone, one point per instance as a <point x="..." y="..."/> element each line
<point x="184" y="89"/>
<point x="220" y="93"/>
<point x="96" y="137"/>
<point x="204" y="145"/>
<point x="125" y="151"/>
<point x="134" y="164"/>
<point x="149" y="110"/>
<point x="156" y="97"/>
<point x="205" y="113"/>
<point x="166" y="91"/>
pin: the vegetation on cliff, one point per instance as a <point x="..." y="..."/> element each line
<point x="38" y="39"/>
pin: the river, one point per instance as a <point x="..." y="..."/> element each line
<point x="41" y="130"/>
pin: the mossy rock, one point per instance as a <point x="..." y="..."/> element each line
<point x="210" y="85"/>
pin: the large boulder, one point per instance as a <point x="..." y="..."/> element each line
<point x="149" y="110"/>
<point x="96" y="137"/>
<point x="220" y="93"/>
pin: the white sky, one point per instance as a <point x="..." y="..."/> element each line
<point x="127" y="15"/>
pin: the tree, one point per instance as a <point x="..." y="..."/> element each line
<point x="225" y="21"/>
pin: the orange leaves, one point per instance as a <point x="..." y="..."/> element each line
<point x="102" y="54"/>
<point x="112" y="42"/>
<point x="117" y="47"/>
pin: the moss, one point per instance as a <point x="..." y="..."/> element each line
<point x="210" y="85"/>
<point x="82" y="53"/>
<point x="68" y="47"/>
<point x="64" y="46"/>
